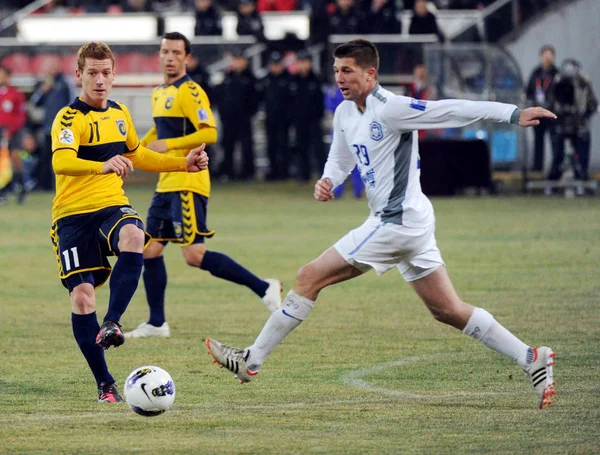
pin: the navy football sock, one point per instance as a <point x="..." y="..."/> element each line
<point x="155" y="283"/>
<point x="85" y="329"/>
<point x="123" y="283"/>
<point x="222" y="266"/>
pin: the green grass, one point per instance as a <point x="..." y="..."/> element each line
<point x="369" y="372"/>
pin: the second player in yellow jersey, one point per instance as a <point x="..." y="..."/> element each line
<point x="183" y="119"/>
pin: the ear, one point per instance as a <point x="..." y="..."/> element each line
<point x="372" y="74"/>
<point x="78" y="73"/>
<point x="187" y="59"/>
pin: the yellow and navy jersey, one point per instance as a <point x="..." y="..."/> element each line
<point x="96" y="135"/>
<point x="179" y="109"/>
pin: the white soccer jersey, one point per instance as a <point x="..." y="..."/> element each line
<point x="383" y="142"/>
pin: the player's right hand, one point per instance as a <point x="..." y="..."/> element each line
<point x="323" y="189"/>
<point x="197" y="159"/>
<point x="118" y="165"/>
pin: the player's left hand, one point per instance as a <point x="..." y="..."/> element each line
<point x="197" y="159"/>
<point x="531" y="116"/>
<point x="158" y="146"/>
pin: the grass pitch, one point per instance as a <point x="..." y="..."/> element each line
<point x="369" y="372"/>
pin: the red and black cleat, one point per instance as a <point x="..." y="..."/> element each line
<point x="110" y="334"/>
<point x="108" y="393"/>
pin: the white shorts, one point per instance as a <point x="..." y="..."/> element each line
<point x="380" y="246"/>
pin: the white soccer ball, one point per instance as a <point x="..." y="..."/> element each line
<point x="149" y="391"/>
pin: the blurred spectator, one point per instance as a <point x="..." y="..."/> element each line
<point x="12" y="119"/>
<point x="333" y="98"/>
<point x="381" y="17"/>
<point x="345" y="20"/>
<point x="423" y="21"/>
<point x="419" y="89"/>
<point x="537" y="93"/>
<point x="307" y="115"/>
<point x="208" y="19"/>
<point x="249" y="21"/>
<point x="136" y="6"/>
<point x="571" y="97"/>
<point x="53" y="93"/>
<point x="275" y="91"/>
<point x="237" y="101"/>
<point x="27" y="153"/>
<point x="276" y="5"/>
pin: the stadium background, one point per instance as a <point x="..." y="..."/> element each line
<point x="370" y="371"/>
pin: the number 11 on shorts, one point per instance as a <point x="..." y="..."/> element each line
<point x="67" y="257"/>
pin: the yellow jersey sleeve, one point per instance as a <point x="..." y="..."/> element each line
<point x="150" y="136"/>
<point x="195" y="105"/>
<point x="67" y="129"/>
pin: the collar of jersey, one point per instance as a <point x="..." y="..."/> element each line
<point x="83" y="106"/>
<point x="178" y="82"/>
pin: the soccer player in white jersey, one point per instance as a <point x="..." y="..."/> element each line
<point x="376" y="130"/>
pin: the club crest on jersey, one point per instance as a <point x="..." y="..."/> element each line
<point x="376" y="131"/>
<point x="66" y="136"/>
<point x="169" y="102"/>
<point x="121" y="126"/>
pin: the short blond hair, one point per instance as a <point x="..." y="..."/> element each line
<point x="95" y="50"/>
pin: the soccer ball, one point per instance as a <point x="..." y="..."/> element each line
<point x="149" y="391"/>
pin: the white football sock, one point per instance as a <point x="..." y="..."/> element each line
<point x="483" y="327"/>
<point x="294" y="309"/>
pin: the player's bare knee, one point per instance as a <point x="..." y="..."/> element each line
<point x="194" y="255"/>
<point x="307" y="279"/>
<point x="131" y="238"/>
<point x="83" y="300"/>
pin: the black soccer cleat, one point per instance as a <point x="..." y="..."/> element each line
<point x="108" y="393"/>
<point x="110" y="334"/>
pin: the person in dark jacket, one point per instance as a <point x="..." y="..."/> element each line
<point x="208" y="19"/>
<point x="249" y="21"/>
<point x="51" y="94"/>
<point x="346" y="19"/>
<point x="537" y="95"/>
<point x="307" y="115"/>
<point x="237" y="102"/>
<point x="423" y="21"/>
<point x="380" y="17"/>
<point x="572" y="98"/>
<point x="275" y="91"/>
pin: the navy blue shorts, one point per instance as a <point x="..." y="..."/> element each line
<point x="178" y="217"/>
<point x="82" y="244"/>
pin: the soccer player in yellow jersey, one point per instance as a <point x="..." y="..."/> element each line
<point x="94" y="145"/>
<point x="183" y="119"/>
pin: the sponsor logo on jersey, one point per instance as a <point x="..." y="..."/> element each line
<point x="418" y="105"/>
<point x="121" y="126"/>
<point x="202" y="114"/>
<point x="169" y="102"/>
<point x="376" y="131"/>
<point x="66" y="136"/>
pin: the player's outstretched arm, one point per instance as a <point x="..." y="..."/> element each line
<point x="323" y="190"/>
<point x="532" y="115"/>
<point x="147" y="160"/>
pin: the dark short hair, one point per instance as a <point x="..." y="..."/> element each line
<point x="176" y="36"/>
<point x="362" y="51"/>
<point x="547" y="47"/>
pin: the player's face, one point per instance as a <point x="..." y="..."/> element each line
<point x="173" y="58"/>
<point x="354" y="82"/>
<point x="96" y="81"/>
<point x="4" y="78"/>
